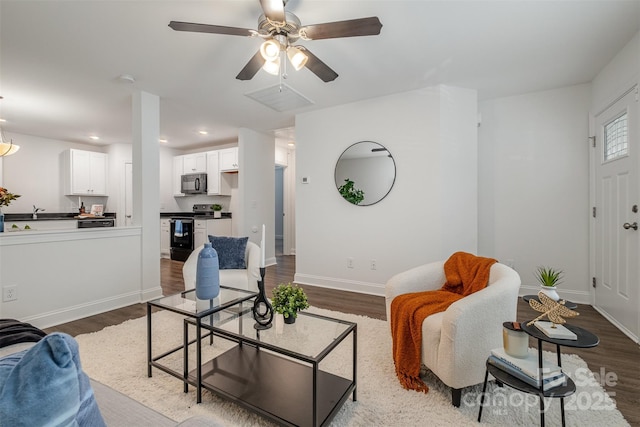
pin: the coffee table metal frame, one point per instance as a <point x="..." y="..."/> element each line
<point x="185" y="304"/>
<point x="585" y="340"/>
<point x="251" y="372"/>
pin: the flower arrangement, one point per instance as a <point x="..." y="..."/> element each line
<point x="288" y="300"/>
<point x="6" y="197"/>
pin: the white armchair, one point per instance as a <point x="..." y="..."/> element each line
<point x="241" y="278"/>
<point x="457" y="341"/>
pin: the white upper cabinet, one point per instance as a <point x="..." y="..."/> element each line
<point x="217" y="184"/>
<point x="177" y="176"/>
<point x="195" y="163"/>
<point x="85" y="173"/>
<point x="229" y="159"/>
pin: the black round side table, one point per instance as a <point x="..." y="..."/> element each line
<point x="570" y="305"/>
<point x="585" y="339"/>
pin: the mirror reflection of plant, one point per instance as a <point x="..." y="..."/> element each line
<point x="350" y="193"/>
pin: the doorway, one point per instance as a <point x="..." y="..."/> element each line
<point x="279" y="213"/>
<point x="617" y="202"/>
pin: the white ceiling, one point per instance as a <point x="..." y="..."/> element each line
<point x="60" y="60"/>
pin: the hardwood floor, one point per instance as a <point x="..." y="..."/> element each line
<point x="615" y="357"/>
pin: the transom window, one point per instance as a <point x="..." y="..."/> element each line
<point x="615" y="138"/>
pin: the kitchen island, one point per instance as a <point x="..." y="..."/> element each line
<point x="57" y="276"/>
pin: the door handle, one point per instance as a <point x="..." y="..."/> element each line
<point x="627" y="226"/>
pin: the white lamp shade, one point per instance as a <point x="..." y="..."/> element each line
<point x="272" y="67"/>
<point x="270" y="50"/>
<point x="8" y="149"/>
<point x="297" y="57"/>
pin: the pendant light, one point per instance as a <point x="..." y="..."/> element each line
<point x="7" y="148"/>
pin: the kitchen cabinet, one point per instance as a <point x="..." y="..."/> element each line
<point x="199" y="233"/>
<point x="229" y="160"/>
<point x="165" y="237"/>
<point x="178" y="168"/>
<point x="217" y="184"/>
<point x="194" y="163"/>
<point x="85" y="173"/>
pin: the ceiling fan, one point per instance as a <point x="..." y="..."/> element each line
<point x="280" y="29"/>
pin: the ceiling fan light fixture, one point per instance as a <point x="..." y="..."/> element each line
<point x="297" y="57"/>
<point x="270" y="50"/>
<point x="272" y="67"/>
<point x="7" y="148"/>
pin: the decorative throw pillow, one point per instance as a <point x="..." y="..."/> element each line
<point x="230" y="251"/>
<point x="45" y="385"/>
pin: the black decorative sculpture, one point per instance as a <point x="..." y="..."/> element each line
<point x="262" y="309"/>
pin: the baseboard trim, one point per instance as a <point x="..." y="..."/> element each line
<point x="340" y="284"/>
<point x="80" y="311"/>
<point x="617" y="324"/>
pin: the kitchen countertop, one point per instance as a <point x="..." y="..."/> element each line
<point x="47" y="216"/>
<point x="200" y="215"/>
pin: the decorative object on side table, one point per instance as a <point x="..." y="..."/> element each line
<point x="262" y="309"/>
<point x="5" y="200"/>
<point x="217" y="210"/>
<point x="549" y="278"/>
<point x="552" y="309"/>
<point x="207" y="273"/>
<point x="288" y="300"/>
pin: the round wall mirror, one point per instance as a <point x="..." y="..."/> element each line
<point x="365" y="173"/>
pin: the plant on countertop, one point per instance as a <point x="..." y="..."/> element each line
<point x="350" y="193"/>
<point x="548" y="276"/>
<point x="288" y="299"/>
<point x="216" y="207"/>
<point x="6" y="197"/>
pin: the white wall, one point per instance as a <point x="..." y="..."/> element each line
<point x="620" y="74"/>
<point x="256" y="183"/>
<point x="431" y="210"/>
<point x="35" y="173"/>
<point x="534" y="185"/>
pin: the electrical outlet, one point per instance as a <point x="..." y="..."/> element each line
<point x="10" y="293"/>
<point x="349" y="262"/>
<point x="373" y="264"/>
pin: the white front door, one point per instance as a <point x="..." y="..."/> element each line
<point x="617" y="214"/>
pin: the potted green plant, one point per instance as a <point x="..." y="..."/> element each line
<point x="549" y="278"/>
<point x="217" y="210"/>
<point x="350" y="193"/>
<point x="287" y="300"/>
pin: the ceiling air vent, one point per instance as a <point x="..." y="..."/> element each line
<point x="280" y="97"/>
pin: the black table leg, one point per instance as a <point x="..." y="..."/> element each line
<point x="484" y="390"/>
<point x="199" y="360"/>
<point x="185" y="374"/>
<point x="149" y="340"/>
<point x="562" y="398"/>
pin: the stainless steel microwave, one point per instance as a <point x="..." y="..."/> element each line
<point x="194" y="183"/>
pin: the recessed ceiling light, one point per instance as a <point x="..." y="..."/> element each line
<point x="203" y="132"/>
<point x="164" y="141"/>
<point x="3" y="120"/>
<point x="94" y="137"/>
<point x="291" y="144"/>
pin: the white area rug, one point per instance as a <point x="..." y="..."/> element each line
<point x="116" y="356"/>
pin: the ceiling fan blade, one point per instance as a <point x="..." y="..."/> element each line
<point x="319" y="68"/>
<point x="352" y="28"/>
<point x="273" y="9"/>
<point x="252" y="67"/>
<point x="214" y="29"/>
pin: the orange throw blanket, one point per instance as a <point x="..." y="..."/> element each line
<point x="465" y="274"/>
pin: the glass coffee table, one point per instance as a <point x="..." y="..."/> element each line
<point x="299" y="374"/>
<point x="189" y="307"/>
